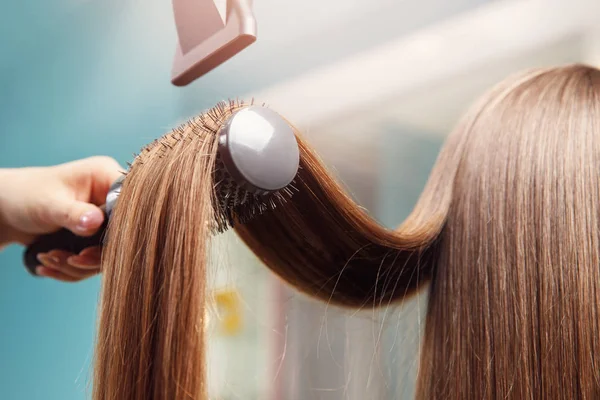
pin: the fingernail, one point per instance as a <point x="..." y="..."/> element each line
<point x="90" y="220"/>
<point x="95" y="251"/>
<point x="48" y="261"/>
<point x="79" y="261"/>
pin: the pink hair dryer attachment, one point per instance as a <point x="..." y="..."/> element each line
<point x="210" y="32"/>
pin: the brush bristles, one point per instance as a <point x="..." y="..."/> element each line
<point x="230" y="216"/>
<point x="232" y="204"/>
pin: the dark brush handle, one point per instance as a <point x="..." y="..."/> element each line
<point x="61" y="240"/>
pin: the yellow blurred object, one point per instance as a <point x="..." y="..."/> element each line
<point x="229" y="312"/>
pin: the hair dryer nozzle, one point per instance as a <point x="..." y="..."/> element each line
<point x="210" y="32"/>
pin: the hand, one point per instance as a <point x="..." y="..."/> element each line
<point x="39" y="200"/>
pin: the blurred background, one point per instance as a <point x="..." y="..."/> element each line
<point x="375" y="85"/>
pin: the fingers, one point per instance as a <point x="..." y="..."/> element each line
<point x="100" y="172"/>
<point x="86" y="184"/>
<point x="65" y="266"/>
<point x="54" y="274"/>
<point x="87" y="259"/>
<point x="79" y="217"/>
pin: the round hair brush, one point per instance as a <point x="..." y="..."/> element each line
<point x="257" y="160"/>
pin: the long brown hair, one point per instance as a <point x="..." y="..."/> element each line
<point x="506" y="231"/>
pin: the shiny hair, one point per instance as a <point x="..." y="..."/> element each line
<point x="505" y="232"/>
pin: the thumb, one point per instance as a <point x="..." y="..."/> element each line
<point x="79" y="217"/>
